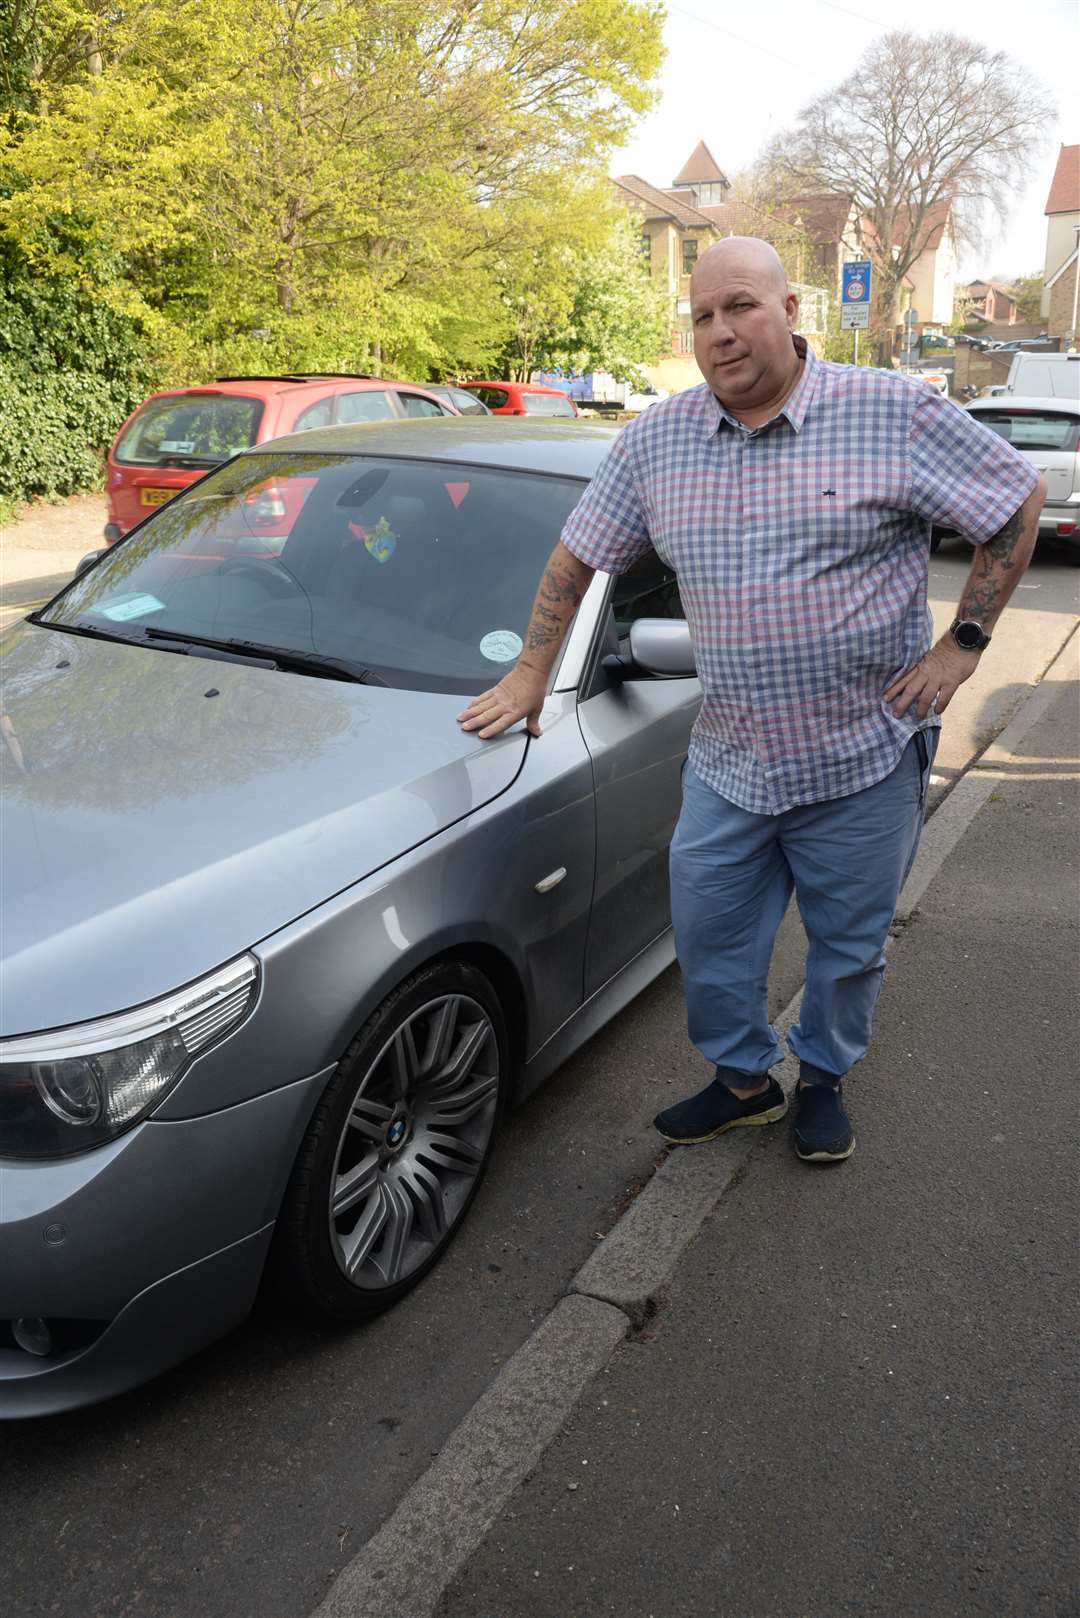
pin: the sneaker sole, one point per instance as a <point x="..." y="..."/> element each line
<point x="823" y="1157"/>
<point x="773" y="1116"/>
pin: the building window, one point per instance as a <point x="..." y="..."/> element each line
<point x="708" y="194"/>
<point x="689" y="255"/>
<point x="646" y="246"/>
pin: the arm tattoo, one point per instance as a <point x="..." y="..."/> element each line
<point x="1003" y="543"/>
<point x="556" y="602"/>
<point x="995" y="558"/>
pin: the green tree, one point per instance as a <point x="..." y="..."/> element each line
<point x="1028" y="291"/>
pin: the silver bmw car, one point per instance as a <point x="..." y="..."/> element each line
<point x="280" y="941"/>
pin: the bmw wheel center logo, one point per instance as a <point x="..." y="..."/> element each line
<point x="396" y="1133"/>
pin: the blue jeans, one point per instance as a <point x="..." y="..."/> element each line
<point x="732" y="874"/>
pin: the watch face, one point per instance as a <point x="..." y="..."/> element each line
<point x="969" y="636"/>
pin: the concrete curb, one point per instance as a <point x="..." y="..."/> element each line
<point x="952" y="818"/>
<point x="404" y="1569"/>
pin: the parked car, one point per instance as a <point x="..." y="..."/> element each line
<point x="1047" y="432"/>
<point x="176" y="436"/>
<point x="522" y="399"/>
<point x="463" y="402"/>
<point x="281" y="941"/>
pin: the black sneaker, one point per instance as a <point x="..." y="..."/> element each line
<point x="715" y="1110"/>
<point x="823" y="1131"/>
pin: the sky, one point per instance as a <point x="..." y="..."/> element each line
<point x="737" y="74"/>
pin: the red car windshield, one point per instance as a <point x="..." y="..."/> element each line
<point x="190" y="429"/>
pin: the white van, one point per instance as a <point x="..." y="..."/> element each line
<point x="1045" y="376"/>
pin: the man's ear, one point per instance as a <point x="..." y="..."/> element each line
<point x="792" y="305"/>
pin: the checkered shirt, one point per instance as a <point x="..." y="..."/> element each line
<point x="801" y="549"/>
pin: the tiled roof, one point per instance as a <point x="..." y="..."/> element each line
<point x="662" y="204"/>
<point x="1065" y="186"/>
<point x="701" y="165"/>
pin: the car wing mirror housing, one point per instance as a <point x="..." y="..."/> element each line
<point x="658" y="647"/>
<point x="89" y="559"/>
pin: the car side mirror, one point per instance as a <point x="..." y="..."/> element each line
<point x="658" y="646"/>
<point x="88" y="560"/>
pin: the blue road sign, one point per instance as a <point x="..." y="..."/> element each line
<point x="855" y="294"/>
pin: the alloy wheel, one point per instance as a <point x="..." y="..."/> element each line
<point x="417" y="1134"/>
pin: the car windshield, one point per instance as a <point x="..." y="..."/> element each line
<point x="547" y="404"/>
<point x="423" y="572"/>
<point x="1033" y="429"/>
<point x="192" y="429"/>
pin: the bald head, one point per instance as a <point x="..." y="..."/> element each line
<point x="743" y="314"/>
<point x="747" y="255"/>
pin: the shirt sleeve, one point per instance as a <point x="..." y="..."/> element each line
<point x="607" y="528"/>
<point x="963" y="475"/>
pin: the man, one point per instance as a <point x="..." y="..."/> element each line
<point x="793" y="498"/>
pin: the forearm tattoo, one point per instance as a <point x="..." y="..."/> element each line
<point x="556" y="602"/>
<point x="982" y="598"/>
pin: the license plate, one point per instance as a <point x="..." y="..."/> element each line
<point x="156" y="497"/>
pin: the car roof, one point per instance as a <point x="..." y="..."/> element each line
<point x="284" y="383"/>
<point x="1020" y="401"/>
<point x="522" y="387"/>
<point x="568" y="448"/>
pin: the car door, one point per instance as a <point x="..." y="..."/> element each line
<point x="637" y="732"/>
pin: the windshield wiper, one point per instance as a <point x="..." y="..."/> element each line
<point x="82" y="629"/>
<point x="285" y="657"/>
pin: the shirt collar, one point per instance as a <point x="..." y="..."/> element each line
<point x="794" y="408"/>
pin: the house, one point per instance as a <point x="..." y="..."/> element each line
<point x="678" y="223"/>
<point x="988" y="301"/>
<point x="1061" y="269"/>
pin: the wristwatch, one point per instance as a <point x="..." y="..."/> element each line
<point x="968" y="635"/>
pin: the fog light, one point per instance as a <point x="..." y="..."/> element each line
<point x="32" y="1334"/>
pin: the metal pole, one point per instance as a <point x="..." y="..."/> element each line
<point x="1076" y="284"/>
<point x="857" y="341"/>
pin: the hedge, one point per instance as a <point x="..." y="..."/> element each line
<point x="54" y="427"/>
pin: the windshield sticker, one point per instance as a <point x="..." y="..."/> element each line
<point x="379" y="542"/>
<point x="457" y="492"/>
<point x="501" y="646"/>
<point x="136" y="606"/>
<point x="176" y="446"/>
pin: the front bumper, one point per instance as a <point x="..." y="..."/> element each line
<point x="150" y="1247"/>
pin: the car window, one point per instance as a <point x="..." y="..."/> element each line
<point x="467" y="403"/>
<point x="191" y="429"/>
<point x="319" y="414"/>
<point x="547" y="404"/>
<point x="1033" y="429"/>
<point x="649" y="590"/>
<point x="494" y="398"/>
<point x="372" y="404"/>
<point x="414" y="405"/>
<point x="422" y="571"/>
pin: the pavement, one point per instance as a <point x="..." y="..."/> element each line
<point x="781" y="1391"/>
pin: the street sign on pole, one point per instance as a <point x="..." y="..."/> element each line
<point x="855" y="295"/>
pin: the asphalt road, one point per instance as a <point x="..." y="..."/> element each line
<point x="241" y="1482"/>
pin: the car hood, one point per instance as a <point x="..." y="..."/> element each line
<point x="164" y="813"/>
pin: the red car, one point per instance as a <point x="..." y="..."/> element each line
<point x="522" y="399"/>
<point x="174" y="437"/>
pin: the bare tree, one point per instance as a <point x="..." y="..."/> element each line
<point x="923" y="127"/>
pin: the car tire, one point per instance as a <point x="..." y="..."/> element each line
<point x="397" y="1147"/>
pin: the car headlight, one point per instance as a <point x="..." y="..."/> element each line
<point x="71" y="1089"/>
